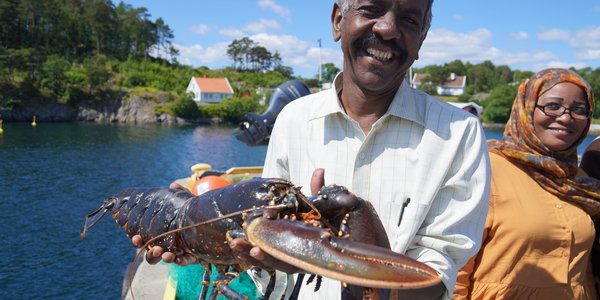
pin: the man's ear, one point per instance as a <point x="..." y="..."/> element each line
<point x="336" y="20"/>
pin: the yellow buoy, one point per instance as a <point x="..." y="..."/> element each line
<point x="33" y="123"/>
<point x="1" y="130"/>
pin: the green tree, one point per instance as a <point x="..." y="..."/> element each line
<point x="482" y="77"/>
<point x="54" y="74"/>
<point x="329" y="70"/>
<point x="437" y="75"/>
<point x="232" y="109"/>
<point x="260" y="58"/>
<point x="10" y="28"/>
<point x="98" y="72"/>
<point x="185" y="107"/>
<point x="520" y="76"/>
<point x="239" y="52"/>
<point x="428" y="88"/>
<point x="100" y="18"/>
<point x="286" y="71"/>
<point x="496" y="109"/>
<point x="457" y="67"/>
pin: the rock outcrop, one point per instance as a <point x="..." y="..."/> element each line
<point x="126" y="109"/>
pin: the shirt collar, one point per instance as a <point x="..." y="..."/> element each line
<point x="331" y="104"/>
<point x="404" y="105"/>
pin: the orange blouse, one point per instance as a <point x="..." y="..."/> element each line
<point x="535" y="246"/>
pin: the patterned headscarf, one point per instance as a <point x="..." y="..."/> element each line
<point x="555" y="171"/>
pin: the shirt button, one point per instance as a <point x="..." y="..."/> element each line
<point x="558" y="206"/>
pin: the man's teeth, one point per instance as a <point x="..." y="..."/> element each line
<point x="380" y="55"/>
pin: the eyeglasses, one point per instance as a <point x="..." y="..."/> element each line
<point x="556" y="110"/>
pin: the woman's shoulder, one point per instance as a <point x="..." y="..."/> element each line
<point x="497" y="160"/>
<point x="502" y="166"/>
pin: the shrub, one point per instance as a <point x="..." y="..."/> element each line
<point x="185" y="107"/>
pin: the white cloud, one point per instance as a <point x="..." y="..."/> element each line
<point x="554" y="35"/>
<point x="586" y="38"/>
<point x="198" y="55"/>
<point x="301" y="55"/>
<point x="261" y="25"/>
<point x="443" y="45"/>
<point x="588" y="54"/>
<point x="519" y="36"/>
<point x="278" y="9"/>
<point x="556" y="64"/>
<point x="201" y="29"/>
<point x="231" y="32"/>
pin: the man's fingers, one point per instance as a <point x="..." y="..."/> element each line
<point x="168" y="257"/>
<point x="137" y="241"/>
<point x="240" y="245"/>
<point x="176" y="186"/>
<point x="153" y="255"/>
<point x="317" y="180"/>
<point x="271" y="262"/>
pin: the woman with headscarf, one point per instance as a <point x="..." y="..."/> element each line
<point x="539" y="230"/>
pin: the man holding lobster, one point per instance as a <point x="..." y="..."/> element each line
<point x="422" y="163"/>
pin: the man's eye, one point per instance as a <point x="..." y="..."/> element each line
<point x="370" y="10"/>
<point x="410" y="20"/>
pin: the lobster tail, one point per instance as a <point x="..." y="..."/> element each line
<point x="92" y="218"/>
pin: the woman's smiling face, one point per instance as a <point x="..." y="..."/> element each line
<point x="560" y="133"/>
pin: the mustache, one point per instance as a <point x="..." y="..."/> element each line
<point x="374" y="40"/>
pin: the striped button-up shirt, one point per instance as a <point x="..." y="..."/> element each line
<point x="422" y="149"/>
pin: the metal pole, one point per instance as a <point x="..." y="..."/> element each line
<point x="320" y="65"/>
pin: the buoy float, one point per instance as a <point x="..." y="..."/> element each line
<point x="33" y="123"/>
<point x="1" y="130"/>
<point x="209" y="183"/>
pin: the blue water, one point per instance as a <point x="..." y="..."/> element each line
<point x="54" y="174"/>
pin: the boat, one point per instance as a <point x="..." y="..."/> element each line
<point x="256" y="129"/>
<point x="164" y="281"/>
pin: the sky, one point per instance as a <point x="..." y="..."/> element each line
<point x="523" y="34"/>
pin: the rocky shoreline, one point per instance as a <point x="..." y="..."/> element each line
<point x="131" y="109"/>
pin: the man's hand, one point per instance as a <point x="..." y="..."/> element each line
<point x="259" y="258"/>
<point x="157" y="253"/>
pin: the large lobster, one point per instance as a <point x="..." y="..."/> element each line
<point x="333" y="234"/>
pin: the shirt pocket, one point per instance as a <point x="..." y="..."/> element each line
<point x="396" y="224"/>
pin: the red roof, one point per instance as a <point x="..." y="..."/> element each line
<point x="214" y="85"/>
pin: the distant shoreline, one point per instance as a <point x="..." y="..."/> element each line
<point x="594" y="128"/>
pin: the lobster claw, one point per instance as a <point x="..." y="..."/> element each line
<point x="316" y="251"/>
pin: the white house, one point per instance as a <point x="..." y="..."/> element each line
<point x="453" y="86"/>
<point x="209" y="90"/>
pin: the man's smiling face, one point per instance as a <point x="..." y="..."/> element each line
<point x="380" y="40"/>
